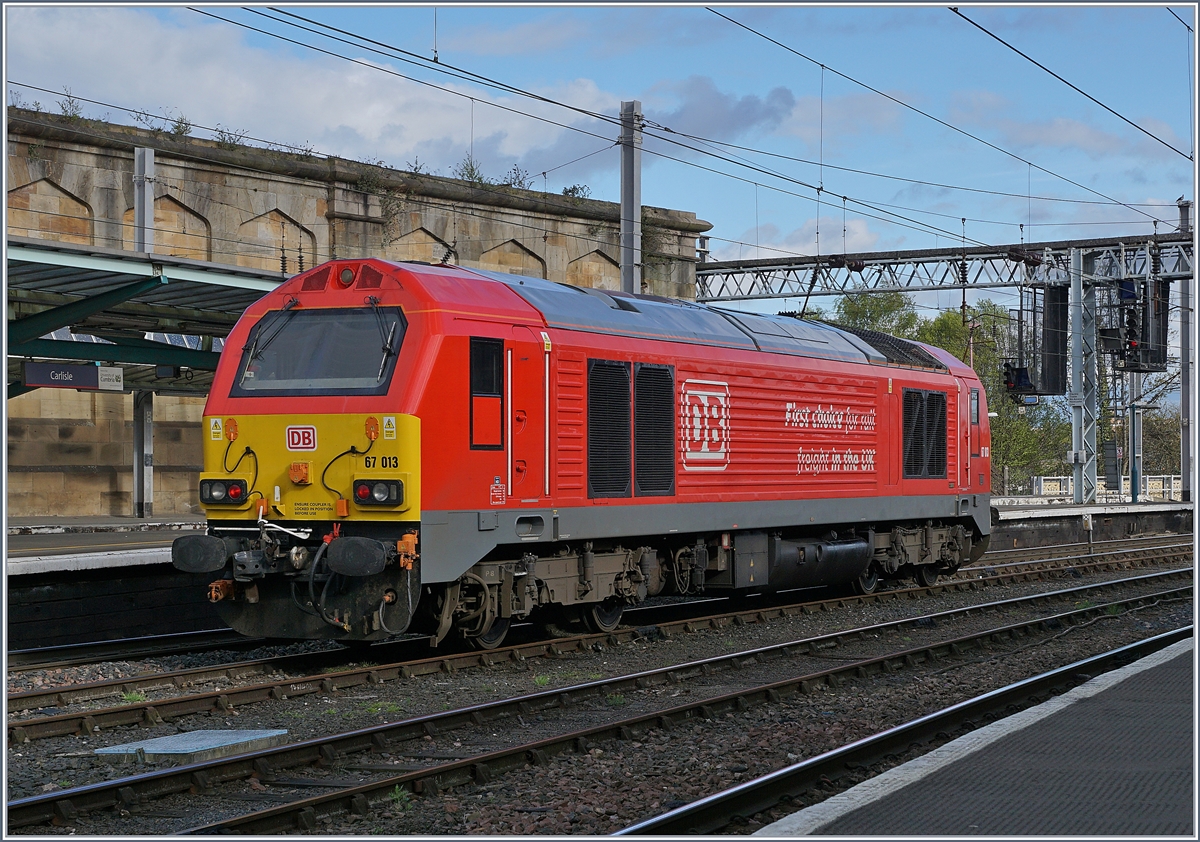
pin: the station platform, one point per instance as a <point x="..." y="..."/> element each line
<point x="46" y="545"/>
<point x="113" y="523"/>
<point x="1112" y="757"/>
<point x="1027" y="524"/>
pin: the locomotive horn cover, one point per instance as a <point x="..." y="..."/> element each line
<point x="356" y="556"/>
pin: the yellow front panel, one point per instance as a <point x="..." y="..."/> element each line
<point x="303" y="464"/>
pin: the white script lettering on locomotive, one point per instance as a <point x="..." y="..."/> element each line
<point x="848" y="420"/>
<point x="830" y="460"/>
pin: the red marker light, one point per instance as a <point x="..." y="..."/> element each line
<point x="235" y="491"/>
<point x="362" y="491"/>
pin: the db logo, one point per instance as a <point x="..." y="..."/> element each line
<point x="301" y="438"/>
<point x="704" y="416"/>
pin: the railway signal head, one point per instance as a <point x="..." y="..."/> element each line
<point x="1132" y="333"/>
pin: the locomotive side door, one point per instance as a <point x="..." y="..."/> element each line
<point x="527" y="364"/>
<point x="968" y="431"/>
<point x="977" y="406"/>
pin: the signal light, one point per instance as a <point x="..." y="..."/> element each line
<point x="235" y="492"/>
<point x="362" y="492"/>
<point x="346" y="277"/>
<point x="1132" y="333"/>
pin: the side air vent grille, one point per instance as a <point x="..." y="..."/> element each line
<point x="609" y="456"/>
<point x="316" y="281"/>
<point x="654" y="429"/>
<point x="924" y="434"/>
<point x="369" y="278"/>
<point x="896" y="350"/>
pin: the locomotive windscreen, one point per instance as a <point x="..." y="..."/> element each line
<point x="323" y="351"/>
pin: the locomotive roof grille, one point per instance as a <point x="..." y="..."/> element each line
<point x="897" y="350"/>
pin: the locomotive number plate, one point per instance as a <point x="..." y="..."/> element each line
<point x="302" y="438"/>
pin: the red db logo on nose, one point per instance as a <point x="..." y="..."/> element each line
<point x="301" y="438"/>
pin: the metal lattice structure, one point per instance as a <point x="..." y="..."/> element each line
<point x="1133" y="275"/>
<point x="1035" y="264"/>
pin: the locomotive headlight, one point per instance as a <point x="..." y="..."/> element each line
<point x="225" y="492"/>
<point x="378" y="492"/>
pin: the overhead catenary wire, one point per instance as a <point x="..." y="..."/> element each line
<point x="916" y="110"/>
<point x="612" y="120"/>
<point x="513" y="89"/>
<point x="547" y="100"/>
<point x="916" y="181"/>
<point x="1073" y="87"/>
<point x="1191" y="96"/>
<point x="482" y="187"/>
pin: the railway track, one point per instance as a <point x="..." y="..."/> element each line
<point x="149" y="700"/>
<point x="289" y="674"/>
<point x="714" y="814"/>
<point x="26" y="660"/>
<point x="133" y="793"/>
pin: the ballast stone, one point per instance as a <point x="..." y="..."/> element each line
<point x="193" y="746"/>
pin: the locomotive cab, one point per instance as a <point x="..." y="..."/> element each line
<point x="313" y="508"/>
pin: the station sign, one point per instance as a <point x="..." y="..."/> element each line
<point x="64" y="376"/>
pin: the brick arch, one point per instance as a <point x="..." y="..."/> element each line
<point x="512" y="257"/>
<point x="594" y="269"/>
<point x="178" y="230"/>
<point x="44" y="210"/>
<point x="419" y="244"/>
<point x="263" y="239"/>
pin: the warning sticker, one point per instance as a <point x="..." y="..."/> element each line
<point x="311" y="508"/>
<point x="215" y="430"/>
<point x="499" y="498"/>
<point x="389" y="427"/>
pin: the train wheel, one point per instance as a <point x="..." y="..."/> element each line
<point x="603" y="616"/>
<point x="494" y="636"/>
<point x="926" y="575"/>
<point x="867" y="582"/>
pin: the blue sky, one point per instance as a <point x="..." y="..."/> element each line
<point x="697" y="73"/>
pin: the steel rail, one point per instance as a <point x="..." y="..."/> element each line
<point x="130" y="791"/>
<point x="997" y="553"/>
<point x="303" y="814"/>
<point x="708" y="815"/>
<point x="25" y="660"/>
<point x="154" y="712"/>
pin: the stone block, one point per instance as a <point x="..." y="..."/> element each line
<point x="193" y="746"/>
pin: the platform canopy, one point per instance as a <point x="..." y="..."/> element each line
<point x="161" y="319"/>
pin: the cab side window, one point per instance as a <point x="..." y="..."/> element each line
<point x="487" y="394"/>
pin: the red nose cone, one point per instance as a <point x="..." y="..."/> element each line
<point x="235" y="491"/>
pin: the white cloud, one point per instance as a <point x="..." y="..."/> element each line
<point x="207" y="71"/>
<point x="771" y="242"/>
<point x="841" y="118"/>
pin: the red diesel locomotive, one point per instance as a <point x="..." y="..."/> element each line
<point x="395" y="447"/>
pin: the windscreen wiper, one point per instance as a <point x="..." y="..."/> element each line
<point x="385" y="334"/>
<point x="256" y="348"/>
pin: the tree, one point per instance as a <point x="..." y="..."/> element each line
<point x="1160" y="440"/>
<point x="893" y="313"/>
